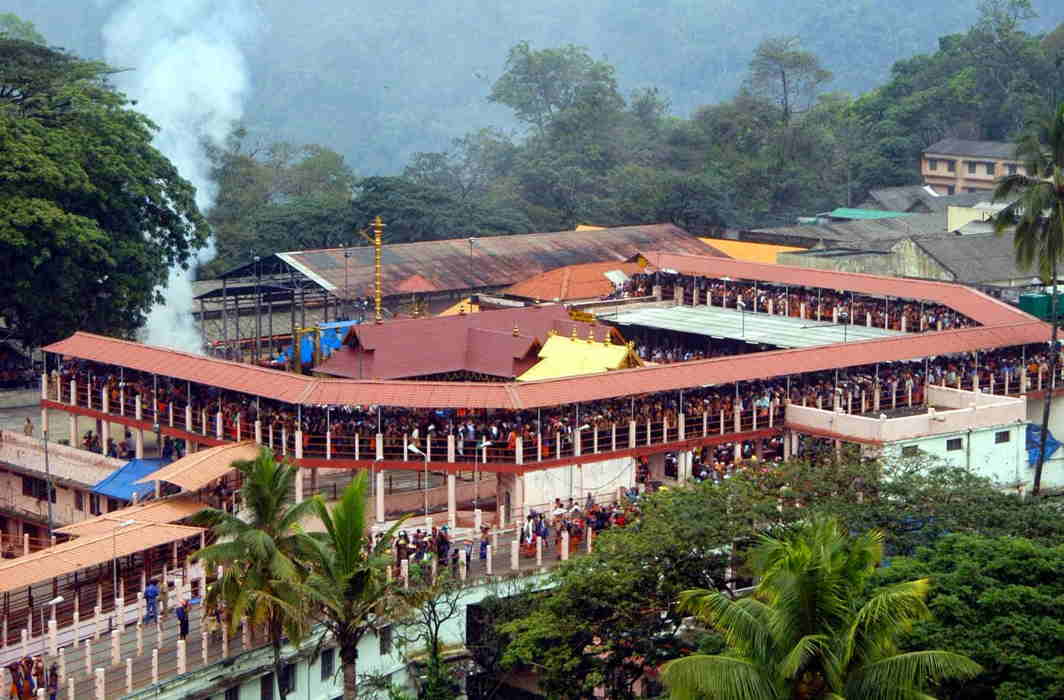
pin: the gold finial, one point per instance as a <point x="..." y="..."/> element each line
<point x="552" y="332"/>
<point x="516" y="332"/>
<point x="591" y="334"/>
<point x="574" y="332"/>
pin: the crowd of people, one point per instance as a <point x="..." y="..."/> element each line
<point x="24" y="678"/>
<point x="554" y="430"/>
<point x="781" y="300"/>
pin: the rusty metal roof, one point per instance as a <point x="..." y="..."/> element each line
<point x="81" y="552"/>
<point x="493" y="261"/>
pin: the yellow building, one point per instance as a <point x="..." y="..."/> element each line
<point x="747" y="251"/>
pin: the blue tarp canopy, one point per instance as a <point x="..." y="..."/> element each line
<point x="332" y="337"/>
<point x="121" y="483"/>
<point x="1034" y="433"/>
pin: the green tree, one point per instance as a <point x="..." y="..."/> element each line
<point x="1035" y="210"/>
<point x="14" y="27"/>
<point x="995" y="600"/>
<point x="348" y="584"/>
<point x="781" y="71"/>
<point x="431" y="604"/>
<point x="807" y="632"/>
<point x="92" y="216"/>
<point x="541" y="85"/>
<point x="260" y="551"/>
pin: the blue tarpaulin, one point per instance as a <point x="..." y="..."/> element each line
<point x="332" y="337"/>
<point x="1034" y="433"/>
<point x="121" y="483"/>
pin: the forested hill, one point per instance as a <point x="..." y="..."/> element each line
<point x="380" y="81"/>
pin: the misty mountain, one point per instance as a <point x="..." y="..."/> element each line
<point x="381" y="81"/>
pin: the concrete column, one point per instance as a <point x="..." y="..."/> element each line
<point x="182" y="658"/>
<point x="258" y="432"/>
<point x="539" y="551"/>
<point x="129" y="675"/>
<point x="452" y="501"/>
<point x="631" y="433"/>
<point x="451" y="449"/>
<point x="155" y="666"/>
<point x="299" y="444"/>
<point x="299" y="484"/>
<point x="565" y="545"/>
<point x="903" y="328"/>
<point x="73" y="392"/>
<point x="97" y="619"/>
<point x="613" y="437"/>
<point x="577" y="440"/>
<point x="188" y="418"/>
<point x="239" y="427"/>
<point x="140" y="637"/>
<point x="786" y="445"/>
<point x="463" y="565"/>
<point x="116" y="646"/>
<point x="219" y="428"/>
<point x="225" y="640"/>
<point x="87" y="655"/>
<point x="70" y="687"/>
<point x="380" y="446"/>
<point x="519" y="509"/>
<point x="62" y="662"/>
<point x="284" y="441"/>
<point x="519" y="451"/>
<point x="53" y="638"/>
<point x="101" y="685"/>
<point x="73" y="420"/>
<point x="380" y="496"/>
<point x="515" y="553"/>
<point x="681" y="427"/>
<point x="328" y="444"/>
<point x="138" y="436"/>
<point x="487" y="562"/>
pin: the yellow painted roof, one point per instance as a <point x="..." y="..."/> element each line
<point x="749" y="252"/>
<point x="464" y="306"/>
<point x="587" y="227"/>
<point x="567" y="357"/>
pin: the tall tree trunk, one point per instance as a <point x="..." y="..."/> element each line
<point x="1053" y="352"/>
<point x="349" y="658"/>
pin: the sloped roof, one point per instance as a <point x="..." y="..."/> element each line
<point x="873" y="233"/>
<point x="493" y="261"/>
<point x="566" y="357"/>
<point x="973" y="149"/>
<point x="196" y="470"/>
<point x="483" y="342"/>
<point x="906" y="197"/>
<point x="749" y="251"/>
<point x="169" y="510"/>
<point x="976" y="258"/>
<point x="587" y="281"/>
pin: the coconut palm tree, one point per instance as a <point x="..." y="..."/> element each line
<point x="807" y="631"/>
<point x="348" y="586"/>
<point x="1036" y="210"/>
<point x="259" y="551"/>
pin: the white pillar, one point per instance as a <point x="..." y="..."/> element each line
<point x="101" y="685"/>
<point x="53" y="639"/>
<point x="452" y="502"/>
<point x="116" y="640"/>
<point x="155" y="666"/>
<point x="87" y="654"/>
<point x="299" y="483"/>
<point x="140" y="637"/>
<point x="515" y="553"/>
<point x="258" y="432"/>
<point x="182" y="659"/>
<point x="488" y="560"/>
<point x="205" y="639"/>
<point x="129" y="675"/>
<point x="539" y="551"/>
<point x="380" y="496"/>
<point x="565" y="545"/>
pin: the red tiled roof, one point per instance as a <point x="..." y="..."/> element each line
<point x="1004" y="326"/>
<point x="965" y="300"/>
<point x="416" y="283"/>
<point x="587" y="281"/>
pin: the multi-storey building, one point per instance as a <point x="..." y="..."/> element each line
<point x="954" y="166"/>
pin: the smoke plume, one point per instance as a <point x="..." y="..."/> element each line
<point x="189" y="74"/>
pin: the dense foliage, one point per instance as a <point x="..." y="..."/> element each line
<point x="998" y="601"/>
<point x="612" y="617"/>
<point x="91" y="214"/>
<point x="592" y="152"/>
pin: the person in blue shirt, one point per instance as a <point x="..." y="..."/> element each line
<point x="151" y="596"/>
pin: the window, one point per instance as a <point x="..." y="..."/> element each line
<point x="951" y="165"/>
<point x="79" y="500"/>
<point x="971" y="167"/>
<point x="384" y="634"/>
<point x="94" y="503"/>
<point x="113" y="505"/>
<point x="950" y="189"/>
<point x="232" y="693"/>
<point x="910" y="451"/>
<point x="1002" y="436"/>
<point x="1011" y="168"/>
<point x="36" y="488"/>
<point x="932" y="163"/>
<point x="328" y="659"/>
<point x="954" y="444"/>
<point x="288" y="677"/>
<point x="266" y="687"/>
<point x="990" y="168"/>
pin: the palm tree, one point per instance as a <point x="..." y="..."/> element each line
<point x="259" y="550"/>
<point x="1036" y="210"/>
<point x="805" y="633"/>
<point x="348" y="583"/>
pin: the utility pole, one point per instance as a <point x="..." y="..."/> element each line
<point x="377" y="242"/>
<point x="258" y="310"/>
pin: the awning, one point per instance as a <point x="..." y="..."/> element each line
<point x="169" y="510"/>
<point x="198" y="469"/>
<point x="83" y="552"/>
<point x="121" y="483"/>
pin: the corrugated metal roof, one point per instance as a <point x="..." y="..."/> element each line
<point x="196" y="470"/>
<point x="82" y="552"/>
<point x="750" y="252"/>
<point x="493" y="261"/>
<point x="864" y="214"/>
<point x="166" y="511"/>
<point x="873" y="232"/>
